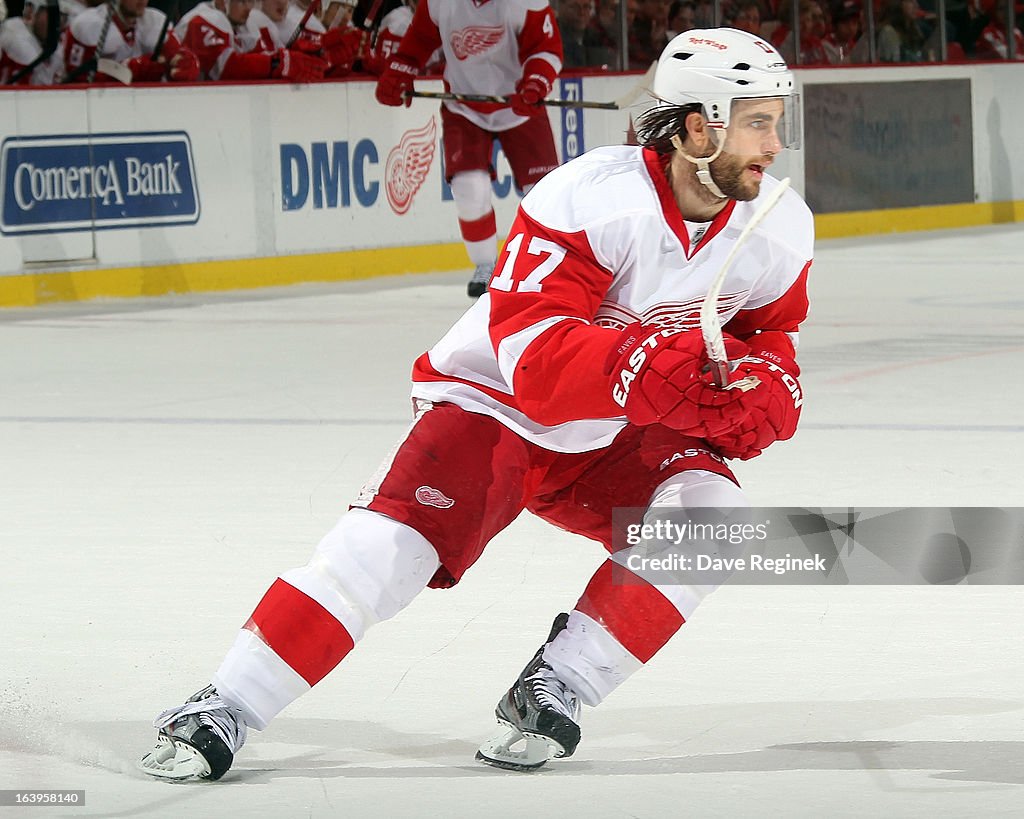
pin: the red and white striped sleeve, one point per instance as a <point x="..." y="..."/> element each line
<point x="547" y="290"/>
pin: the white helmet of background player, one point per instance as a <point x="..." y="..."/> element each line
<point x="709" y="71"/>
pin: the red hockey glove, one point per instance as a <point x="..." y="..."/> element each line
<point x="146" y="69"/>
<point x="308" y="42"/>
<point x="296" y="66"/>
<point x="396" y="83"/>
<point x="530" y="93"/>
<point x="341" y="49"/>
<point x="184" y="67"/>
<point x="774" y="404"/>
<point x="659" y="377"/>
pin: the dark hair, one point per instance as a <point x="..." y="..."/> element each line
<point x="656" y="127"/>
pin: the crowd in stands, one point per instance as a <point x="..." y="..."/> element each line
<point x="47" y="42"/>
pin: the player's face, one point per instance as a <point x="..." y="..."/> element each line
<point x="40" y="21"/>
<point x="238" y="11"/>
<point x="133" y="9"/>
<point x="275" y="9"/>
<point x="751" y="144"/>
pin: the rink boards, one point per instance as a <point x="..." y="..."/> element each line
<point x="133" y="191"/>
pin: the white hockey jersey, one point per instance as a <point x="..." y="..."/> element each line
<point x="273" y="34"/>
<point x="121" y="43"/>
<point x="19" y="47"/>
<point x="488" y="47"/>
<point x="597" y="245"/>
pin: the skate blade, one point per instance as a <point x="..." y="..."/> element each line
<point x="174" y="760"/>
<point x="514" y="750"/>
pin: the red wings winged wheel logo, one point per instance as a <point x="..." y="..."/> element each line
<point x="407" y="166"/>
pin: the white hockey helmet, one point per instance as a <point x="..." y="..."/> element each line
<point x="713" y="67"/>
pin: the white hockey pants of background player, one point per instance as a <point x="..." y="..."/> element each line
<point x="477" y="222"/>
<point x="369" y="567"/>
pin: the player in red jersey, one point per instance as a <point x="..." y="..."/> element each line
<point x="507" y="48"/>
<point x="576" y="385"/>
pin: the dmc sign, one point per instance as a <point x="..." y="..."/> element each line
<point x="97" y="182"/>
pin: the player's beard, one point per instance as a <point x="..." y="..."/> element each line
<point x="727" y="172"/>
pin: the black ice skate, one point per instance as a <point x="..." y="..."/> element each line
<point x="478" y="282"/>
<point x="541" y="715"/>
<point x="197" y="740"/>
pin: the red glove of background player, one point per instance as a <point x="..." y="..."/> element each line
<point x="146" y="69"/>
<point x="184" y="67"/>
<point x="296" y="66"/>
<point x="396" y="83"/>
<point x="774" y="405"/>
<point x="308" y="42"/>
<point x="658" y="377"/>
<point x="341" y="49"/>
<point x="530" y="93"/>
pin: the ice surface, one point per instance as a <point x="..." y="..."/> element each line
<point x="161" y="461"/>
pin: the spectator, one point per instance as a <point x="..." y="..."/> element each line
<point x="681" y="17"/>
<point x="126" y="32"/>
<point x="648" y="35"/>
<point x="518" y="57"/>
<point x="747" y="17"/>
<point x="581" y="47"/>
<point x="904" y="36"/>
<point x="992" y="44"/>
<point x="965" y="21"/>
<point x="813" y="29"/>
<point x="22" y="40"/>
<point x="216" y="31"/>
<point x="605" y="31"/>
<point x="845" y="44"/>
<point x="704" y="14"/>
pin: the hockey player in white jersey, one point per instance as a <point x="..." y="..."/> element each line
<point x="576" y="385"/>
<point x="227" y="50"/>
<point x="126" y="31"/>
<point x="277" y="22"/>
<point x="505" y="48"/>
<point x="22" y="40"/>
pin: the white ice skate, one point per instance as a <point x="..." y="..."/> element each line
<point x="197" y="740"/>
<point x="478" y="282"/>
<point x="540" y="715"/>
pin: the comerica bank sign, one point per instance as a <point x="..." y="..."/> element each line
<point x="97" y="182"/>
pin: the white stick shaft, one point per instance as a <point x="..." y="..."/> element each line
<point x="710" y="326"/>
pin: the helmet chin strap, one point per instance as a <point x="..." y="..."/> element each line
<point x="702" y="163"/>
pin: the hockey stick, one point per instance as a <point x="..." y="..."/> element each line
<point x="310" y="9"/>
<point x="103" y="38"/>
<point x="49" y="46"/>
<point x="710" y="326"/>
<point x="160" y="40"/>
<point x="624" y="101"/>
<point x="90" y="65"/>
<point x="369" y="21"/>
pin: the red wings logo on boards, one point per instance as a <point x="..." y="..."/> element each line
<point x="475" y="40"/>
<point x="407" y="166"/>
<point x="429" y="496"/>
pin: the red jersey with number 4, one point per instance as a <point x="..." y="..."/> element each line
<point x="597" y="245"/>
